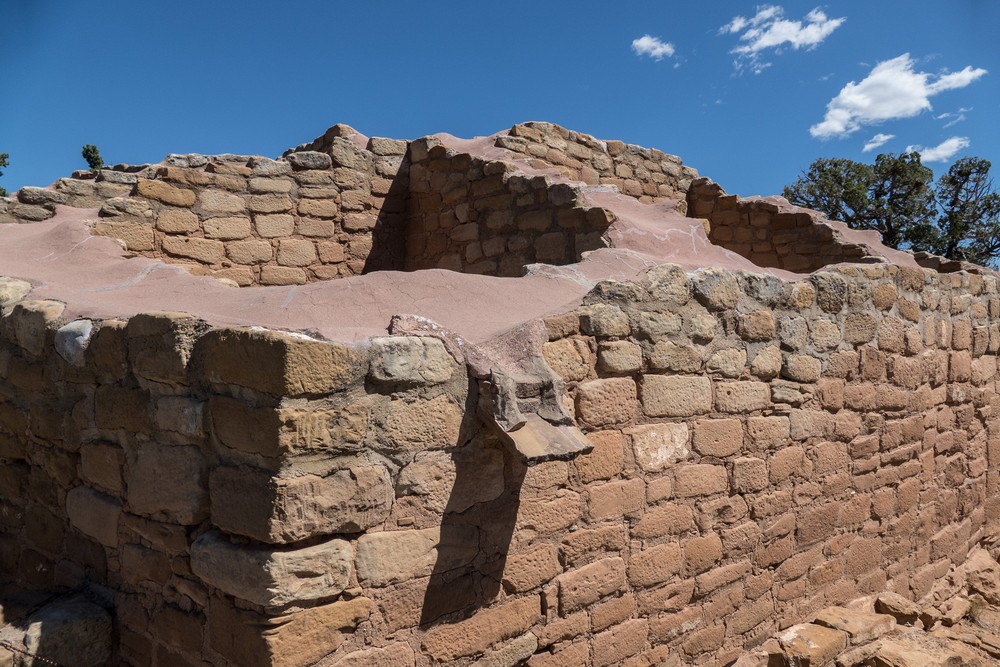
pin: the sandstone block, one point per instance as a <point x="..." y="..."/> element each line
<point x="159" y="345"/>
<point x="249" y="252"/>
<point x="701" y="553"/>
<point x="676" y="395"/>
<point x="253" y="503"/>
<point x="620" y="642"/>
<point x="718" y="437"/>
<point x="453" y="481"/>
<point x="261" y="185"/>
<point x="667" y="356"/>
<point x="31" y="321"/>
<point x="746" y="396"/>
<point x="716" y="289"/>
<point x="282" y="275"/>
<point x="606" y="402"/>
<point x="583" y="586"/>
<point x="669" y="519"/>
<point x="206" y="251"/>
<point x="749" y="475"/>
<point x="655" y="565"/>
<point x="227" y="229"/>
<point x="701" y="480"/>
<point x="812" y="644"/>
<point x="766" y="364"/>
<point x="268" y="576"/>
<point x="485" y="628"/>
<point x="101" y="464"/>
<point x="297" y="638"/>
<point x="619" y="356"/>
<point x="177" y="221"/>
<point x="274" y="226"/>
<point x="657" y="446"/>
<point x="278" y="364"/>
<point x="167" y="482"/>
<point x="220" y="202"/>
<point x="318" y="208"/>
<point x="606" y="460"/>
<point x="137" y="236"/>
<point x="432" y="424"/>
<point x="530" y="569"/>
<point x="604" y="319"/>
<point x="410" y="360"/>
<point x="296" y="252"/>
<point x="757" y="326"/>
<point x="160" y="191"/>
<point x="397" y="654"/>
<point x="94" y="514"/>
<point x="309" y="160"/>
<point x="802" y="368"/>
<point x="617" y="498"/>
<point x="385" y="558"/>
<point x="859" y="625"/>
<point x="70" y="632"/>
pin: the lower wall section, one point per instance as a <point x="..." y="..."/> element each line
<point x="762" y="450"/>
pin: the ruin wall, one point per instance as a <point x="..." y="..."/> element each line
<point x="761" y="449"/>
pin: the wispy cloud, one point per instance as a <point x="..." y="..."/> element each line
<point x="769" y="29"/>
<point x="943" y="152"/>
<point x="893" y="89"/>
<point x="877" y="141"/>
<point x="654" y="47"/>
<point x="953" y="117"/>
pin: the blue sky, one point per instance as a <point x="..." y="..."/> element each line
<point x="749" y="94"/>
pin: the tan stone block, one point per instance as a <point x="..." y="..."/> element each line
<point x="859" y="328"/>
<point x="675" y="396"/>
<point x="227" y="228"/>
<point x="667" y="356"/>
<point x="94" y="514"/>
<point x="606" y="402"/>
<point x="219" y="202"/>
<point x="701" y="553"/>
<point x="331" y="252"/>
<point x="582" y="544"/>
<point x="297" y="638"/>
<point x="249" y="252"/>
<point x="701" y="480"/>
<point x="570" y="358"/>
<point x="159" y="345"/>
<point x="485" y="628"/>
<point x="254" y="503"/>
<point x="743" y="396"/>
<point x="657" y="446"/>
<point x="432" y="424"/>
<point x="278" y="364"/>
<point x="384" y="558"/>
<point x="274" y="226"/>
<point x="137" y="236"/>
<point x="269" y="576"/>
<point x="728" y="362"/>
<point x="101" y="464"/>
<point x="620" y="642"/>
<point x="610" y="612"/>
<point x="270" y="185"/>
<point x="619" y="356"/>
<point x="802" y="368"/>
<point x="160" y="191"/>
<point x="812" y="644"/>
<point x="177" y="221"/>
<point x="718" y="437"/>
<point x="118" y="408"/>
<point x="168" y="482"/>
<point x="453" y="480"/>
<point x="530" y="569"/>
<point x="605" y="461"/>
<point x="749" y="475"/>
<point x="269" y="203"/>
<point x="315" y="227"/>
<point x="296" y="252"/>
<point x="766" y="364"/>
<point x="205" y="251"/>
<point x="859" y="625"/>
<point x="604" y="319"/>
<point x="397" y="654"/>
<point x="668" y="519"/>
<point x="318" y="208"/>
<point x="757" y="326"/>
<point x="282" y="275"/>
<point x="615" y="499"/>
<point x="586" y="585"/>
<point x="654" y="565"/>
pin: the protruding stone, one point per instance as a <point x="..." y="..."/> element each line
<point x="399" y="555"/>
<point x="410" y="360"/>
<point x="70" y="632"/>
<point x="72" y="340"/>
<point x="272" y="577"/>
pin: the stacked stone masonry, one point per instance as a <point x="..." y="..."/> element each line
<point x="771" y="234"/>
<point x="762" y="449"/>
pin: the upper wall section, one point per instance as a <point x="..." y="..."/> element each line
<point x="647" y="174"/>
<point x="473" y="215"/>
<point x="772" y="233"/>
<point x="311" y="215"/>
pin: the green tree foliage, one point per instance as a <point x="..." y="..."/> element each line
<point x="93" y="157"/>
<point x="958" y="217"/>
<point x="3" y="163"/>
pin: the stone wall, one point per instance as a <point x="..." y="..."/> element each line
<point x="648" y="174"/>
<point x="311" y="215"/>
<point x="762" y="449"/>
<point x="770" y="234"/>
<point x="472" y="215"/>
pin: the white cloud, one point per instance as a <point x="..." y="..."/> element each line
<point x="943" y="152"/>
<point x="953" y="117"/>
<point x="768" y="29"/>
<point x="654" y="47"/>
<point x="892" y="90"/>
<point x="877" y="141"/>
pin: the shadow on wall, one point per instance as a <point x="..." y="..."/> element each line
<point x="388" y="251"/>
<point x="477" y="525"/>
